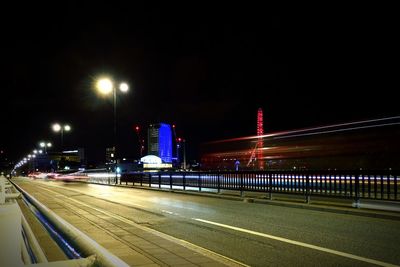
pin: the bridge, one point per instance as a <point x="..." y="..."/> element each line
<point x="202" y="224"/>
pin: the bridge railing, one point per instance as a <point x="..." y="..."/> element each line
<point x="91" y="253"/>
<point x="382" y="185"/>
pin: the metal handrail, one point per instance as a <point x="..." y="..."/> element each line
<point x="81" y="241"/>
<point x="362" y="184"/>
<point x="10" y="207"/>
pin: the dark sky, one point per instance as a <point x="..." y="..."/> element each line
<point x="206" y="69"/>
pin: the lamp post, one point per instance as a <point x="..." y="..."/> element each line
<point x="61" y="128"/>
<point x="106" y="86"/>
<point x="178" y="145"/>
<point x="184" y="154"/>
<point x="45" y="145"/>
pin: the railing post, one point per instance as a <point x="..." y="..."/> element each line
<point x="388" y="185"/>
<point x="199" y="182"/>
<point x="170" y="181"/>
<point x="184" y="181"/>
<point x="241" y="184"/>
<point x="307" y="188"/>
<point x="159" y="180"/>
<point x="149" y="179"/>
<point x="395" y="177"/>
<point x="269" y="186"/>
<point x="218" y="183"/>
<point x="356" y="190"/>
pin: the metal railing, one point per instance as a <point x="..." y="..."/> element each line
<point x="95" y="254"/>
<point x="343" y="184"/>
<point x="22" y="245"/>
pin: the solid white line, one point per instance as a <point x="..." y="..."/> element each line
<point x="170" y="212"/>
<point x="339" y="253"/>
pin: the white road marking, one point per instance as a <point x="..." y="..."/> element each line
<point x="327" y="250"/>
<point x="170" y="212"/>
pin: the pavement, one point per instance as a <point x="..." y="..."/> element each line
<point x="133" y="243"/>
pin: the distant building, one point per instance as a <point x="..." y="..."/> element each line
<point x="160" y="141"/>
<point x="67" y="159"/>
<point x="58" y="160"/>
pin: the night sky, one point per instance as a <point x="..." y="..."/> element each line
<point x="205" y="69"/>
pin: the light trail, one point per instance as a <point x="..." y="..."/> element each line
<point x="286" y="134"/>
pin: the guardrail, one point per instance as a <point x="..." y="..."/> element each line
<point x="22" y="246"/>
<point x="343" y="184"/>
<point x="95" y="254"/>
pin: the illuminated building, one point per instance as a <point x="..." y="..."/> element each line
<point x="110" y="152"/>
<point x="160" y="141"/>
<point x="154" y="162"/>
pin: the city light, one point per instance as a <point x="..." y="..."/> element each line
<point x="45" y="145"/>
<point x="124" y="87"/>
<point x="104" y="86"/>
<point x="61" y="128"/>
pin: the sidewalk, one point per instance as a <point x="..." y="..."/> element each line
<point x="133" y="243"/>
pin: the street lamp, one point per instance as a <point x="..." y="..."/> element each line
<point x="178" y="145"/>
<point x="106" y="86"/>
<point x="45" y="145"/>
<point x="61" y="128"/>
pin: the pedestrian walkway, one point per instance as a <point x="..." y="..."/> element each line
<point x="134" y="244"/>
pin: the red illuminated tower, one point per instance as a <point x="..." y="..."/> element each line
<point x="260" y="143"/>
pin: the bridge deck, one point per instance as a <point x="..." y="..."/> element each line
<point x="129" y="241"/>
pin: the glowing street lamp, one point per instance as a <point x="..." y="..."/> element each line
<point x="179" y="142"/>
<point x="45" y="145"/>
<point x="106" y="86"/>
<point x="61" y="128"/>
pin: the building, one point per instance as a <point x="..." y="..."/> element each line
<point x="160" y="141"/>
<point x="53" y="161"/>
<point x="110" y="155"/>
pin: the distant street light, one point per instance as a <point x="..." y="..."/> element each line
<point x="45" y="145"/>
<point x="179" y="142"/>
<point x="105" y="86"/>
<point x="61" y="128"/>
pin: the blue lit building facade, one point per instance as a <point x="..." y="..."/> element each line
<point x="160" y="141"/>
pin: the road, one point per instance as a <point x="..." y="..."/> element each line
<point x="254" y="234"/>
